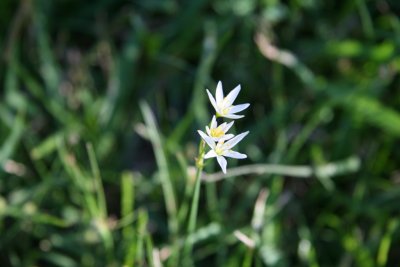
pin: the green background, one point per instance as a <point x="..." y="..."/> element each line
<point x="101" y="100"/>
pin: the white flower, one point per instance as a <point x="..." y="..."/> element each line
<point x="223" y="105"/>
<point x="218" y="133"/>
<point x="222" y="149"/>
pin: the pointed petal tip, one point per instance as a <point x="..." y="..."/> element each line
<point x="213" y="122"/>
<point x="235" y="155"/>
<point x="208" y="130"/>
<point x="230" y="98"/>
<point x="232" y="142"/>
<point x="245" y="133"/>
<point x="233" y="116"/>
<point x="227" y="126"/>
<point x="219" y="93"/>
<point x="222" y="163"/>
<point x="238" y="108"/>
<point x="212" y="100"/>
<point x="202" y="134"/>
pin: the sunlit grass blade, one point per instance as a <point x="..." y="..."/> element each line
<point x="88" y="200"/>
<point x="127" y="202"/>
<point x="9" y="145"/>
<point x="141" y="232"/>
<point x="47" y="146"/>
<point x="375" y="113"/>
<point x="386" y="242"/>
<point x="30" y="213"/>
<point x="169" y="195"/>
<point x="99" y="189"/>
<point x="306" y="247"/>
<point x="166" y="183"/>
<point x="150" y="251"/>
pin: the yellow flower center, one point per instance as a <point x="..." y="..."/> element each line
<point x="225" y="110"/>
<point x="217" y="132"/>
<point x="218" y="149"/>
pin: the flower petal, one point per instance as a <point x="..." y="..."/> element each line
<point x="233" y="116"/>
<point x="222" y="162"/>
<point x="231" y="143"/>
<point x="206" y="138"/>
<point x="208" y="130"/>
<point x="212" y="100"/>
<point x="227" y="127"/>
<point x="226" y="137"/>
<point x="238" y="108"/>
<point x="213" y="122"/>
<point x="232" y="96"/>
<point x="210" y="154"/>
<point x="234" y="154"/>
<point x="219" y="94"/>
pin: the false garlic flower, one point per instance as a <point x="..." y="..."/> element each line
<point x="218" y="133"/>
<point x="223" y="105"/>
<point x="221" y="149"/>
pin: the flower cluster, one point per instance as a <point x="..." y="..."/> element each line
<point x="217" y="138"/>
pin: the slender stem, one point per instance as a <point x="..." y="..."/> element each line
<point x="195" y="204"/>
<point x="348" y="165"/>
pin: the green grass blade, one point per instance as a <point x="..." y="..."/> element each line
<point x="9" y="145"/>
<point x="99" y="189"/>
<point x="169" y="195"/>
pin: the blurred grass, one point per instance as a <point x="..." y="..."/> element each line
<point x="98" y="111"/>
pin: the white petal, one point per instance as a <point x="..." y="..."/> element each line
<point x="210" y="154"/>
<point x="227" y="127"/>
<point x="226" y="137"/>
<point x="208" y="130"/>
<point x="212" y="100"/>
<point x="214" y="122"/>
<point x="234" y="154"/>
<point x="233" y="116"/>
<point x="238" y="108"/>
<point x="219" y="94"/>
<point x="232" y="96"/>
<point x="206" y="138"/>
<point x="231" y="143"/>
<point x="222" y="162"/>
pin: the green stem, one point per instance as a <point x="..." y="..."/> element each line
<point x="195" y="202"/>
<point x="195" y="205"/>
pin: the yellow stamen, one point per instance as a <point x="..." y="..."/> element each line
<point x="225" y="111"/>
<point x="219" y="150"/>
<point x="217" y="132"/>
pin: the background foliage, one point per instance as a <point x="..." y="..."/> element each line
<point x="99" y="105"/>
